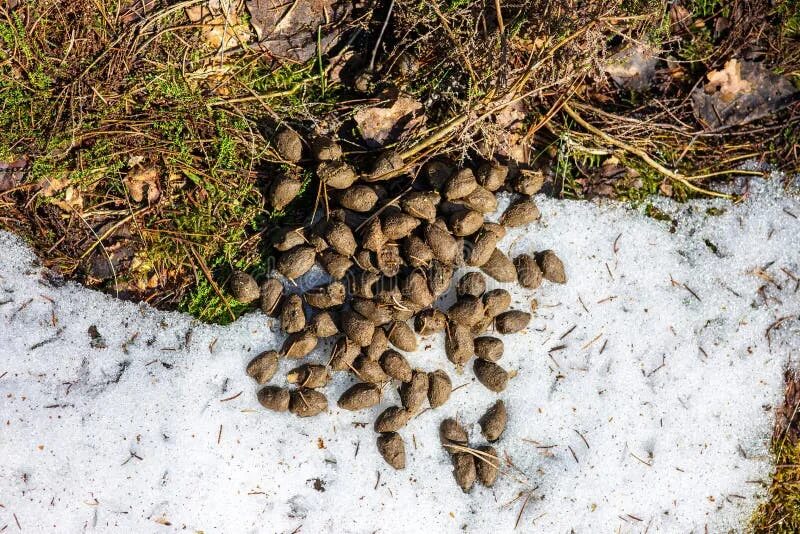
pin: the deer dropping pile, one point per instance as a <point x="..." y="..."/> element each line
<point x="391" y="246"/>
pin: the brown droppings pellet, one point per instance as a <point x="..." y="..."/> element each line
<point x="325" y="149"/>
<point x="414" y="393"/>
<point x="360" y="198"/>
<point x="306" y="402"/>
<point x="441" y="243"/>
<point x="397" y="225"/>
<point x="451" y="432"/>
<point x="467" y="310"/>
<point x="528" y="272"/>
<point x="395" y="365"/>
<point x="293" y="317"/>
<point x="379" y="314"/>
<point x="471" y="284"/>
<point x="415" y="288"/>
<point x="378" y="345"/>
<point x="392" y="419"/>
<point x="328" y="296"/>
<point x="493" y="422"/>
<point x="486" y="466"/>
<point x="481" y="200"/>
<point x="482" y="248"/>
<point x="389" y="260"/>
<point x="402" y="336"/>
<point x="464" y="470"/>
<point x="373" y="236"/>
<point x="430" y="321"/>
<point x="439" y="277"/>
<point x="520" y="213"/>
<point x="491" y="375"/>
<point x="460" y="185"/>
<point x="496" y="301"/>
<point x="438" y="172"/>
<point x="323" y="325"/>
<point x="343" y="354"/>
<point x="420" y="204"/>
<point x="284" y="189"/>
<point x="416" y="252"/>
<point x="244" y="287"/>
<point x="369" y="370"/>
<point x="384" y="166"/>
<point x="296" y="262"/>
<point x="512" y="321"/>
<point x="335" y="264"/>
<point x="392" y="449"/>
<point x="339" y="236"/>
<point x="439" y="388"/>
<point x="458" y="343"/>
<point x="552" y="267"/>
<point x="336" y="174"/>
<point x="529" y="182"/>
<point x="309" y="375"/>
<point x="357" y="327"/>
<point x="497" y="229"/>
<point x="289" y="237"/>
<point x="360" y="396"/>
<point x="492" y="175"/>
<point x="466" y="222"/>
<point x="271" y="295"/>
<point x="274" y="398"/>
<point x="299" y="345"/>
<point x="489" y="348"/>
<point x="289" y="145"/>
<point x="263" y="367"/>
<point x="499" y="267"/>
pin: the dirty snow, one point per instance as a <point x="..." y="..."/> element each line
<point x="644" y="397"/>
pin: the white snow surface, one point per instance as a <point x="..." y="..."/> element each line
<point x="655" y="414"/>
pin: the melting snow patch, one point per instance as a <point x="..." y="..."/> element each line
<point x="643" y="399"/>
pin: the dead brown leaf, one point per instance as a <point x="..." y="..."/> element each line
<point x="382" y="125"/>
<point x="142" y="184"/>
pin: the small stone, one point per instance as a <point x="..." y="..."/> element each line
<point x="395" y="365"/>
<point x="552" y="268"/>
<point x="528" y="271"/>
<point x="491" y="375"/>
<point x="466" y="222"/>
<point x="464" y="470"/>
<point x="520" y="213"/>
<point x="296" y="262"/>
<point x="471" y="284"/>
<point x="392" y="419"/>
<point x="402" y="336"/>
<point x="357" y="328"/>
<point x="486" y="466"/>
<point x="289" y="145"/>
<point x="309" y="376"/>
<point x="299" y="345"/>
<point x="336" y="174"/>
<point x="460" y="185"/>
<point x="271" y="295"/>
<point x="439" y="388"/>
<point x="274" y="398"/>
<point x="360" y="396"/>
<point x="493" y="422"/>
<point x="293" y="318"/>
<point x="489" y="348"/>
<point x="512" y="321"/>
<point x="414" y="393"/>
<point x="244" y="287"/>
<point x="325" y="149"/>
<point x="430" y="321"/>
<point x="263" y="367"/>
<point x="392" y="449"/>
<point x="306" y="402"/>
<point x="500" y="267"/>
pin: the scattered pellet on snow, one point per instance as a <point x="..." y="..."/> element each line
<point x="641" y="395"/>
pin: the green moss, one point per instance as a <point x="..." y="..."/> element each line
<point x="780" y="514"/>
